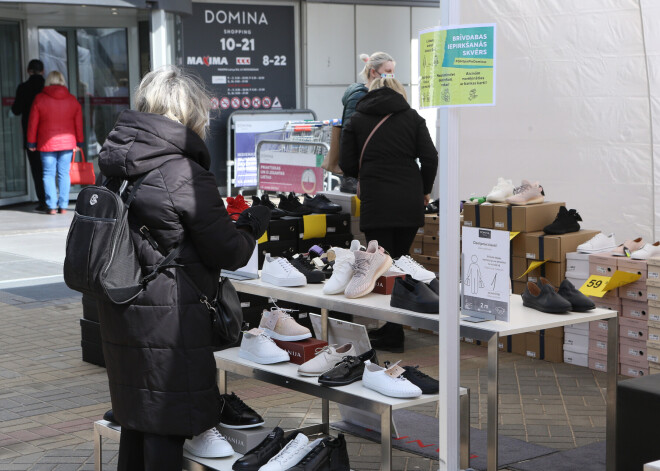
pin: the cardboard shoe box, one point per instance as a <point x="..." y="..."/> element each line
<point x="633" y="266"/>
<point x="575" y="358"/>
<point x="634" y="309"/>
<point x="576" y="343"/>
<point x="518" y="245"/>
<point x="471" y="217"/>
<point x="555" y="247"/>
<point x="613" y="303"/>
<point x="553" y="349"/>
<point x="486" y="215"/>
<point x="577" y="265"/>
<point x="338" y="223"/>
<point x="385" y="282"/>
<point x="302" y="350"/>
<point x="598" y="362"/>
<point x="597" y="346"/>
<point x="533" y="345"/>
<point x="634" y="291"/>
<point x="552" y="271"/>
<point x="598" y="329"/>
<point x="518" y="287"/>
<point x="653" y="272"/>
<point x="602" y="264"/>
<point x="518" y="267"/>
<point x="431" y="245"/>
<point x="633" y="352"/>
<point x="417" y="248"/>
<point x="244" y="440"/>
<point x="427" y="261"/>
<point x="633" y="328"/>
<point x="633" y="371"/>
<point x="533" y="217"/>
<point x="286" y="228"/>
<point x="652" y="293"/>
<point x="431" y="224"/>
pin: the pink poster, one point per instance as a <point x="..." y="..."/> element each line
<point x="287" y="178"/>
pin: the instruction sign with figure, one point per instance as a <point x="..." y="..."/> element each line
<point x="485" y="283"/>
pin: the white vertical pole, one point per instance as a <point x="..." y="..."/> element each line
<point x="159" y="46"/>
<point x="449" y="332"/>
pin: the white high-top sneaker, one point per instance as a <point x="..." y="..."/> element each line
<point x="278" y="271"/>
<point x="501" y="191"/>
<point x="256" y="346"/>
<point x="342" y="271"/>
<point x="408" y="265"/>
<point x="209" y="444"/>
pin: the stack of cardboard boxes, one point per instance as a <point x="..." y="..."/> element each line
<point x="425" y="249"/>
<point x="632" y="304"/>
<point x="653" y="296"/>
<point x="576" y="336"/>
<point x="530" y="245"/>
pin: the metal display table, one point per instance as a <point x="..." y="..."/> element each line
<point x="354" y="395"/>
<point x="523" y="319"/>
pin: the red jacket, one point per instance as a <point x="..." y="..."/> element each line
<point x="55" y="120"/>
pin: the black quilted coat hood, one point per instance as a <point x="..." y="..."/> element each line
<point x="158" y="349"/>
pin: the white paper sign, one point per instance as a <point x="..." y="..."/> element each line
<point x="485" y="287"/>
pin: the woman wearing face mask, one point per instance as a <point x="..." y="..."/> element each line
<point x="375" y="65"/>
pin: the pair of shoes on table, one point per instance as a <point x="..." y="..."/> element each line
<point x="414" y="295"/>
<point x="275" y="212"/>
<point x="321" y="204"/>
<point x="389" y="381"/>
<point x="290" y="205"/>
<point x="325" y="359"/>
<point x="296" y="453"/>
<point x="566" y="221"/>
<point x="544" y="297"/>
<point x="501" y="191"/>
<point x="598" y="243"/>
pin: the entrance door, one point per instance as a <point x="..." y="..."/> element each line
<point x="13" y="168"/>
<point x="94" y="62"/>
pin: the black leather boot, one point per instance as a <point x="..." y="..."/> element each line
<point x="391" y="338"/>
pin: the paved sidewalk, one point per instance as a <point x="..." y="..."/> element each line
<point x="49" y="397"/>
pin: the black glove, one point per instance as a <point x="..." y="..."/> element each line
<point x="256" y="218"/>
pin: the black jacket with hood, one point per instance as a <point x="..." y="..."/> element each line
<point x="25" y="94"/>
<point x="392" y="185"/>
<point x="157" y="349"/>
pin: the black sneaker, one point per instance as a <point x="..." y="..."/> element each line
<point x="391" y="339"/>
<point x="262" y="453"/>
<point x="432" y="208"/>
<point x="423" y="381"/>
<point x="234" y="413"/>
<point x="275" y="212"/>
<point x="348" y="185"/>
<point x="329" y="455"/>
<point x="321" y="204"/>
<point x="291" y="206"/>
<point x="566" y="221"/>
<point x="312" y="275"/>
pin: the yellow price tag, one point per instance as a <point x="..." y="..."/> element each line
<point x="512" y="235"/>
<point x="622" y="278"/>
<point x="595" y="286"/>
<point x="533" y="266"/>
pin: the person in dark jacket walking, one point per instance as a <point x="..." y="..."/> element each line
<point x="375" y="65"/>
<point x="393" y="188"/>
<point x="25" y="94"/>
<point x="55" y="129"/>
<point x="158" y="349"/>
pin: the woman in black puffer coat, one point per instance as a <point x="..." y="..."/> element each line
<point x="158" y="348"/>
<point x="393" y="188"/>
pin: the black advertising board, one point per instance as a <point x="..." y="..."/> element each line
<point x="245" y="54"/>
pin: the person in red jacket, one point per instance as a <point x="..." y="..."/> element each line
<point x="55" y="128"/>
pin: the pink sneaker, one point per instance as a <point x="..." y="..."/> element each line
<point x="368" y="267"/>
<point x="630" y="246"/>
<point x="527" y="193"/>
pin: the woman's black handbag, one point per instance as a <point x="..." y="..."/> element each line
<point x="226" y="314"/>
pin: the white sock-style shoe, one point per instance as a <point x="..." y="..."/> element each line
<point x="209" y="444"/>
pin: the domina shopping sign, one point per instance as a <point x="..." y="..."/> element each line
<point x="457" y="66"/>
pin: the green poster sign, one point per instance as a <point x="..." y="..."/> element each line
<point x="457" y="66"/>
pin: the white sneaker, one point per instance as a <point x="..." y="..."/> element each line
<point x="256" y="346"/>
<point x="408" y="265"/>
<point x="279" y="325"/>
<point x="501" y="191"/>
<point x="388" y="382"/>
<point x="292" y="453"/>
<point x="599" y="243"/>
<point x="278" y="271"/>
<point x="325" y="359"/>
<point x="342" y="270"/>
<point x="646" y="252"/>
<point x="209" y="444"/>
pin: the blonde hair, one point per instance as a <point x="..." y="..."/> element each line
<point x="55" y="78"/>
<point x="392" y="83"/>
<point x="170" y="92"/>
<point x="373" y="62"/>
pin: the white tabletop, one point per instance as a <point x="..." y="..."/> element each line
<point x="290" y="370"/>
<point x="524" y="319"/>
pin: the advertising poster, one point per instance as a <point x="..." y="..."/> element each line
<point x="457" y="66"/>
<point x="485" y="283"/>
<point x="245" y="54"/>
<point x="299" y="172"/>
<point x="245" y="136"/>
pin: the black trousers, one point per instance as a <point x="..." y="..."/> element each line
<point x="396" y="241"/>
<point x="34" y="158"/>
<point x="139" y="451"/>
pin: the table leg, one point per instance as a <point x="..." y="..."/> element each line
<point x="97" y="451"/>
<point x="324" y="324"/>
<point x="612" y="368"/>
<point x="493" y="412"/>
<point x="386" y="439"/>
<point x="221" y="380"/>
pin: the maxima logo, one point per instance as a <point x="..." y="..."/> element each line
<point x="484" y="234"/>
<point x="206" y="60"/>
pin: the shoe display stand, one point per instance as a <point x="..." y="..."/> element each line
<point x="523" y="319"/>
<point x="105" y="429"/>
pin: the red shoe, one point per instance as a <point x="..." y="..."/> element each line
<point x="51" y="211"/>
<point x="236" y="205"/>
<point x="61" y="211"/>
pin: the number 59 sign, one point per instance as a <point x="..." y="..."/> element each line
<point x="595" y="286"/>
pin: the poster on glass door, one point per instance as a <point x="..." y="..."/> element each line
<point x="485" y="273"/>
<point x="245" y="53"/>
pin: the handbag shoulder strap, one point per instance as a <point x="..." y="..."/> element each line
<point x="369" y="137"/>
